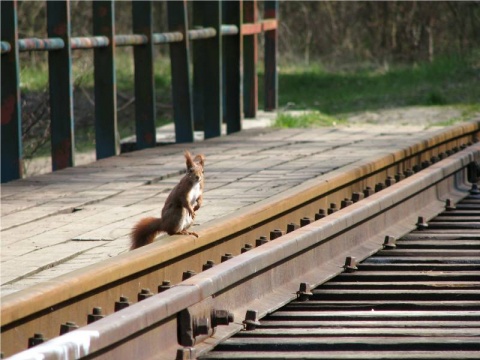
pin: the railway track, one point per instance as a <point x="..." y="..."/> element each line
<point x="261" y="278"/>
<point x="418" y="298"/>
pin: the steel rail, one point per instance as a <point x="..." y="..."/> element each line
<point x="265" y="278"/>
<point x="71" y="297"/>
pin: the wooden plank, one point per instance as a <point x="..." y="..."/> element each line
<point x="388" y="294"/>
<point x="179" y="60"/>
<point x="383" y="305"/>
<point x="145" y="101"/>
<point x="107" y="139"/>
<point x="232" y="53"/>
<point x="11" y="133"/>
<point x="358" y="343"/>
<point x="271" y="51"/>
<point x="337" y="355"/>
<point x="378" y="331"/>
<point x="443" y="316"/>
<point x="250" y="58"/>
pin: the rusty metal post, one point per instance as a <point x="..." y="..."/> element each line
<point x="232" y="55"/>
<point x="271" y="46"/>
<point x="12" y="162"/>
<point x="250" y="56"/>
<point x="106" y="134"/>
<point x="145" y="104"/>
<point x="179" y="59"/>
<point x="60" y="84"/>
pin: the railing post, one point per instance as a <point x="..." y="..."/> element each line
<point x="232" y="53"/>
<point x="250" y="55"/>
<point x="271" y="44"/>
<point x="12" y="162"/>
<point x="106" y="134"/>
<point x="145" y="104"/>
<point x="212" y="80"/>
<point x="179" y="60"/>
<point x="199" y="61"/>
<point x="60" y="81"/>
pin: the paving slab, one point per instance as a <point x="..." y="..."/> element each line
<point x="58" y="222"/>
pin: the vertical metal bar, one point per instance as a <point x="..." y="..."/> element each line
<point x="179" y="60"/>
<point x="12" y="162"/>
<point x="61" y="91"/>
<point x="145" y="110"/>
<point x="199" y="61"/>
<point x="250" y="55"/>
<point x="106" y="134"/>
<point x="232" y="53"/>
<point x="271" y="44"/>
<point x="212" y="71"/>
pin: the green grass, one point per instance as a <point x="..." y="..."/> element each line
<point x="446" y="81"/>
<point x="306" y="120"/>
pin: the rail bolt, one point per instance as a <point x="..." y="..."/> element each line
<point x="36" y="339"/>
<point x="390" y="181"/>
<point x="95" y="315"/>
<point x="305" y="221"/>
<point x="449" y="205"/>
<point x="345" y="202"/>
<point x="399" y="177"/>
<point x="261" y="240"/>
<point x="417" y="168"/>
<point x="275" y="234"/>
<point x="292" y="227"/>
<point x="165" y="285"/>
<point x="350" y="264"/>
<point x="333" y="208"/>
<point x="221" y="317"/>
<point x="408" y="172"/>
<point x="434" y="159"/>
<point x="357" y="196"/>
<point x="122" y="303"/>
<point x="246" y="247"/>
<point x="321" y="214"/>
<point x="421" y="224"/>
<point x="389" y="242"/>
<point x="201" y="326"/>
<point x="188" y="274"/>
<point x="143" y="294"/>
<point x="380" y="186"/>
<point x="208" y="265"/>
<point x="67" y="327"/>
<point x="251" y="320"/>
<point x="426" y="164"/>
<point x="368" y="191"/>
<point x="226" y="257"/>
<point x="304" y="293"/>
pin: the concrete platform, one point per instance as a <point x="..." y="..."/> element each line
<point x="58" y="222"/>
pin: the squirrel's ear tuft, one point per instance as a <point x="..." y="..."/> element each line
<point x="200" y="159"/>
<point x="189" y="160"/>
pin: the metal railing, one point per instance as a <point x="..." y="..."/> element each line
<point x="224" y="63"/>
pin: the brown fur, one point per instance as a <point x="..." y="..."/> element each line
<point x="177" y="207"/>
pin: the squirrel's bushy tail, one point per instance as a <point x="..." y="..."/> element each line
<point x="145" y="231"/>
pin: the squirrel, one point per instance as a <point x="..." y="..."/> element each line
<point x="179" y="209"/>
